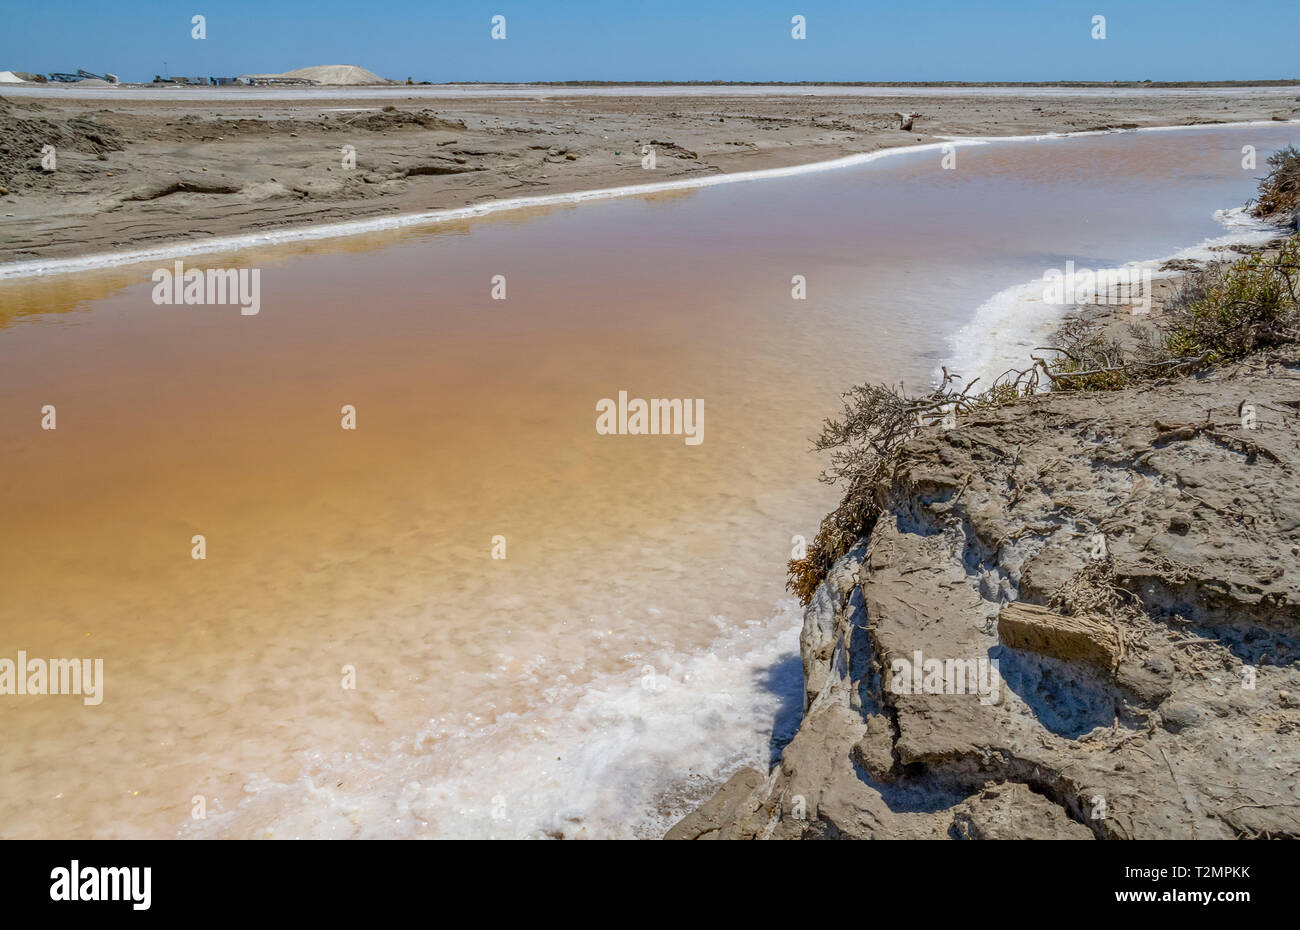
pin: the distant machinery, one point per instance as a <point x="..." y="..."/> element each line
<point x="65" y="78"/>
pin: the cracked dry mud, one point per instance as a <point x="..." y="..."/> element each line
<point x="1162" y="736"/>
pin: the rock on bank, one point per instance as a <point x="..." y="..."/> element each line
<point x="1155" y="693"/>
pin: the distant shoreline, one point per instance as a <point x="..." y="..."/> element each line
<point x="1273" y="82"/>
<point x="396" y="89"/>
<point x="1264" y="82"/>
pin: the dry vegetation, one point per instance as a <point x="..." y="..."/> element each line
<point x="1217" y="314"/>
<point x="1279" y="190"/>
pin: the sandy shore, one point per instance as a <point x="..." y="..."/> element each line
<point x="134" y="172"/>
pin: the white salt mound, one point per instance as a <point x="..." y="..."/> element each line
<point x="336" y="74"/>
<point x="8" y="77"/>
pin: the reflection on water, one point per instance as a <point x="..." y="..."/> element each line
<point x="623" y="650"/>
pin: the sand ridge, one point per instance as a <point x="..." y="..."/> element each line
<point x="141" y="173"/>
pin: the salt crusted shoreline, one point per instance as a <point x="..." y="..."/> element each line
<point x="1179" y="720"/>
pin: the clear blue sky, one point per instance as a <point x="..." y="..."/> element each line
<point x="743" y="40"/>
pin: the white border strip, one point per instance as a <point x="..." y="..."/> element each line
<point x="357" y="227"/>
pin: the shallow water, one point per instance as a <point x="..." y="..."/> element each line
<point x="635" y="644"/>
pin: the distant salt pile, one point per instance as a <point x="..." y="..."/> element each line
<point x="326" y="74"/>
<point x="8" y="77"/>
<point x="337" y="74"/>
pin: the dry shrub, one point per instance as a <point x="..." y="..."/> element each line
<point x="1279" y="190"/>
<point x="1218" y="313"/>
<point x="1225" y="312"/>
<point x="865" y="445"/>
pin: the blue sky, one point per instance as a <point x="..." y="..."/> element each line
<point x="744" y="40"/>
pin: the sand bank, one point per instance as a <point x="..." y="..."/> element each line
<point x="136" y="174"/>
